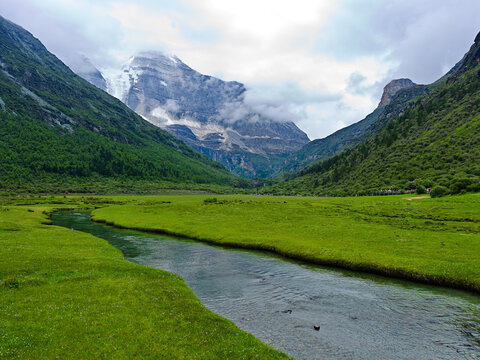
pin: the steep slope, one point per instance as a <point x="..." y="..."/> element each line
<point x="55" y="126"/>
<point x="471" y="59"/>
<point x="434" y="141"/>
<point x="207" y="113"/>
<point x="395" y="98"/>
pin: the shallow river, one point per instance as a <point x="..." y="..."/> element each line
<point x="360" y="316"/>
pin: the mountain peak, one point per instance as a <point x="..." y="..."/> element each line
<point x="392" y="88"/>
<point x="154" y="55"/>
<point x="207" y="113"/>
<point x="78" y="131"/>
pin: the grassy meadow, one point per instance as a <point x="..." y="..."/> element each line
<point x="428" y="240"/>
<point x="66" y="294"/>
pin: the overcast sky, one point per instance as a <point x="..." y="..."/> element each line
<point x="322" y="63"/>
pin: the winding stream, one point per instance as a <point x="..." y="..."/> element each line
<point x="360" y="316"/>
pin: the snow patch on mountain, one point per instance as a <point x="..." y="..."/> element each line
<point x="120" y="82"/>
<point x="201" y="131"/>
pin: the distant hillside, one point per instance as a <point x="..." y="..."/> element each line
<point x="435" y="140"/>
<point x="56" y="128"/>
<point x="396" y="96"/>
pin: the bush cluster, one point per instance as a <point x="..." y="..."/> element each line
<point x="438" y="191"/>
<point x="421" y="190"/>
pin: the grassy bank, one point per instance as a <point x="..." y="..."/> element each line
<point x="428" y="240"/>
<point x="66" y="294"/>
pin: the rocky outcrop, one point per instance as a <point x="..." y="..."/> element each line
<point x="392" y="88"/>
<point x="471" y="58"/>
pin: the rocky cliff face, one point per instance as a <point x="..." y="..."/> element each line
<point x="392" y="88"/>
<point x="471" y="59"/>
<point x="207" y="113"/>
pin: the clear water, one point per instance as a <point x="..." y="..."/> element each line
<point x="360" y="316"/>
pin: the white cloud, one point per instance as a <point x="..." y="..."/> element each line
<point x="263" y="22"/>
<point x="171" y="106"/>
<point x="260" y="42"/>
<point x="146" y="30"/>
<point x="321" y="63"/>
<point x="427" y="37"/>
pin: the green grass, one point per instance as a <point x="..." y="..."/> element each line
<point x="66" y="294"/>
<point x="428" y="240"/>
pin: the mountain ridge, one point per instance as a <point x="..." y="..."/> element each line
<point x="83" y="67"/>
<point x="209" y="114"/>
<point x="395" y="98"/>
<point x="56" y="126"/>
<point x="435" y="140"/>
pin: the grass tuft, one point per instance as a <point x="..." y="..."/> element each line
<point x="11" y="283"/>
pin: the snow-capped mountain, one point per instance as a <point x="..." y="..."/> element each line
<point x="207" y="113"/>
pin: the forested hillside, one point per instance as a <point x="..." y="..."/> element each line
<point x="354" y="134"/>
<point x="57" y="130"/>
<point x="435" y="141"/>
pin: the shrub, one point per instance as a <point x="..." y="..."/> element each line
<point x="210" y="200"/>
<point x="409" y="185"/>
<point x="421" y="190"/>
<point x="438" y="191"/>
<point x="427" y="183"/>
<point x="475" y="187"/>
<point x="459" y="184"/>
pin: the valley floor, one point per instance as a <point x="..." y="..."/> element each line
<point x="428" y="240"/>
<point x="66" y="294"/>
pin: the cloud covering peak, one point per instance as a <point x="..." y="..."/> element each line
<point x="322" y="63"/>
